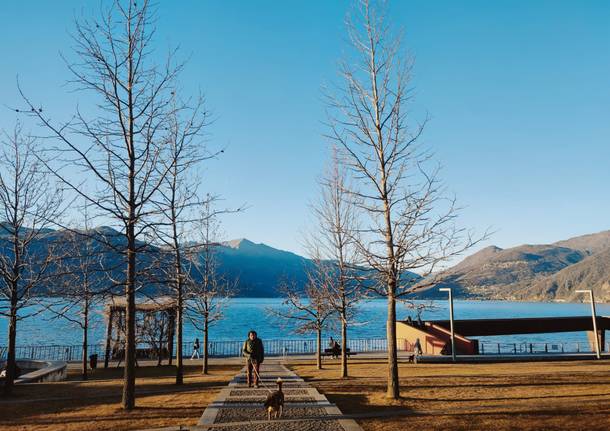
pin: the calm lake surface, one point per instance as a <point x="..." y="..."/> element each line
<point x="243" y="314"/>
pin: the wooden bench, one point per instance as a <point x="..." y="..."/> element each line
<point x="329" y="352"/>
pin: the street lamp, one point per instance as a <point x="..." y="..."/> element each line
<point x="448" y="289"/>
<point x="590" y="292"/>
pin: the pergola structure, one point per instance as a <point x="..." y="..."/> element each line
<point x="155" y="326"/>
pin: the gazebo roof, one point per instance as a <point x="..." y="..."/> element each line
<point x="160" y="303"/>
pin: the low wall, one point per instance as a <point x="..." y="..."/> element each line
<point x="44" y="371"/>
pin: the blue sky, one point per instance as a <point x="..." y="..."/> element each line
<point x="518" y="93"/>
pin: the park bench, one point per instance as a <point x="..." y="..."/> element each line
<point x="329" y="352"/>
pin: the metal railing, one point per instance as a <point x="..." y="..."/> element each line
<point x="215" y="349"/>
<point x="287" y="347"/>
<point x="489" y="348"/>
<point x="284" y="347"/>
<point x="53" y="353"/>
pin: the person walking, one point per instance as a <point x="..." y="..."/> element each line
<point x="195" y="349"/>
<point x="417" y="347"/>
<point x="416" y="350"/>
<point x="254" y="352"/>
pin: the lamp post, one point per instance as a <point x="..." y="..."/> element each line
<point x="590" y="292"/>
<point x="448" y="289"/>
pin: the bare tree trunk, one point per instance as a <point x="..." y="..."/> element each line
<point x="343" y="345"/>
<point x="129" y="380"/>
<point x="85" y="341"/>
<point x="107" y="351"/>
<point x="206" y="330"/>
<point x="319" y="348"/>
<point x="179" y="341"/>
<point x="160" y="344"/>
<point x="11" y="357"/>
<point x="393" y="390"/>
<point x="170" y="339"/>
<point x="178" y="281"/>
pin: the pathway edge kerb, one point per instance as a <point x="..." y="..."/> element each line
<point x="210" y="413"/>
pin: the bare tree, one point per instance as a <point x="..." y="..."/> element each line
<point x="178" y="197"/>
<point x="333" y="250"/>
<point x="28" y="204"/>
<point x="81" y="283"/>
<point x="309" y="308"/>
<point x="119" y="145"/>
<point x="408" y="224"/>
<point x="208" y="291"/>
<point x="153" y="331"/>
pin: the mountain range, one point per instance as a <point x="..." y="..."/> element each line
<point x="529" y="272"/>
<point x="533" y="272"/>
<point x="257" y="269"/>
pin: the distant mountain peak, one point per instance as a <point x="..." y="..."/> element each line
<point x="479" y="258"/>
<point x="240" y="243"/>
<point x="106" y="230"/>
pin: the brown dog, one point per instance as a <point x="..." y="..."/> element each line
<point x="275" y="402"/>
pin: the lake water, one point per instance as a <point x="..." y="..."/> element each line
<point x="243" y="314"/>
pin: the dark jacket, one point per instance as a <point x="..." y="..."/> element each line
<point x="253" y="350"/>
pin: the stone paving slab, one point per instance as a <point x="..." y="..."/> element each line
<point x="259" y="414"/>
<point x="239" y="408"/>
<point x="321" y="425"/>
<point x="262" y="398"/>
<point x="263" y="392"/>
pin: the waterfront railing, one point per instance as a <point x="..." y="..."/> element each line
<point x="489" y="348"/>
<point x="286" y="347"/>
<point x="218" y="349"/>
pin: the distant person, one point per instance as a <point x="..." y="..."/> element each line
<point x="254" y="352"/>
<point x="331" y="343"/>
<point x="416" y="350"/>
<point x="410" y="320"/>
<point x="336" y="350"/>
<point x="195" y="349"/>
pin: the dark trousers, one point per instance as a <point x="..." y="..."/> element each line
<point x="250" y="378"/>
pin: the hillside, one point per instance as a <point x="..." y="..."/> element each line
<point x="533" y="272"/>
<point x="592" y="272"/>
<point x="257" y="268"/>
<point x="589" y="244"/>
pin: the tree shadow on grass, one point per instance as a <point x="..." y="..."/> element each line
<point x="99" y="399"/>
<point x="358" y="403"/>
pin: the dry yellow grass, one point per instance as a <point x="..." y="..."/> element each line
<point x="95" y="404"/>
<point x="528" y="396"/>
<point x="523" y="396"/>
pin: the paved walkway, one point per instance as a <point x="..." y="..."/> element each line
<point x="239" y="408"/>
